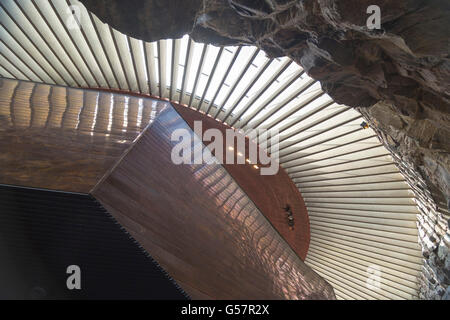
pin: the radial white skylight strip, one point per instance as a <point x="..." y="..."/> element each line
<point x="226" y="57"/>
<point x="211" y="76"/>
<point x="169" y="60"/>
<point x="52" y="18"/>
<point x="126" y="60"/>
<point x="237" y="70"/>
<point x="197" y="50"/>
<point x="31" y="50"/>
<point x="254" y="123"/>
<point x="219" y="84"/>
<point x="16" y="49"/>
<point x="5" y="73"/>
<point x="396" y="286"/>
<point x="91" y="38"/>
<point x="79" y="39"/>
<point x="19" y="22"/>
<point x="362" y="265"/>
<point x="151" y="67"/>
<point x="117" y="43"/>
<point x="184" y="41"/>
<point x="19" y="63"/>
<point x="96" y="39"/>
<point x="360" y="278"/>
<point x="307" y="122"/>
<point x="330" y="150"/>
<point x="138" y="62"/>
<point x="407" y="285"/>
<point x="264" y="90"/>
<point x="286" y="139"/>
<point x="109" y="48"/>
<point x="268" y="94"/>
<point x="164" y="49"/>
<point x="199" y="60"/>
<point x="319" y="156"/>
<point x="247" y="88"/>
<point x="280" y="122"/>
<point x="176" y="45"/>
<point x="11" y="68"/>
<point x="16" y="12"/>
<point x="187" y="69"/>
<point x="297" y="146"/>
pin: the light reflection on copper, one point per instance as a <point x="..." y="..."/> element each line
<point x="258" y="241"/>
<point x="97" y="123"/>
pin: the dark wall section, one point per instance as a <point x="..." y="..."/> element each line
<point x="43" y="232"/>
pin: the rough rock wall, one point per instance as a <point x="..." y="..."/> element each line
<point x="397" y="76"/>
<point x="434" y="220"/>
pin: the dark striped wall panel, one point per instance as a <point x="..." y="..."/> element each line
<point x="44" y="232"/>
<point x="200" y="226"/>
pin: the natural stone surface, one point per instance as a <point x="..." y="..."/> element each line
<point x="398" y="77"/>
<point x="423" y="143"/>
<point x="432" y="222"/>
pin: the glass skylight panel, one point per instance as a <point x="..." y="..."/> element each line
<point x="294" y="120"/>
<point x="183" y="49"/>
<point x="68" y="45"/>
<point x="150" y="64"/>
<point x="181" y="61"/>
<point x="19" y="72"/>
<point x="197" y="49"/>
<point x="255" y="67"/>
<point x="143" y="62"/>
<point x="319" y="126"/>
<point x="210" y="58"/>
<point x="5" y="73"/>
<point x="293" y="68"/>
<point x="180" y="77"/>
<point x="276" y="90"/>
<point x="306" y="114"/>
<point x="278" y="102"/>
<point x="233" y="77"/>
<point x="40" y="25"/>
<point x="243" y="102"/>
<point x="169" y="53"/>
<point x="247" y="78"/>
<point x="80" y="45"/>
<point x="239" y="65"/>
<point x="222" y="66"/>
<point x="162" y="64"/>
<point x="291" y="90"/>
<point x="124" y="51"/>
<point x="153" y="55"/>
<point x="156" y="63"/>
<point x="155" y="50"/>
